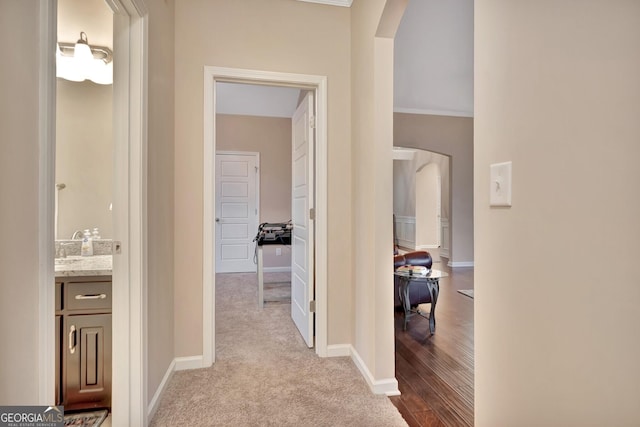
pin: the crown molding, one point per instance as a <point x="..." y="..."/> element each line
<point x="343" y="3"/>
<point x="433" y="112"/>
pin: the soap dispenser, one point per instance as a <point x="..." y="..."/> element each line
<point x="87" y="244"/>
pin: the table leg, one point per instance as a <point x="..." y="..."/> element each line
<point x="434" y="290"/>
<point x="260" y="279"/>
<point x="406" y="303"/>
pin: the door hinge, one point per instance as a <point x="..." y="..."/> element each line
<point x="312" y="122"/>
<point x="116" y="247"/>
<point x="312" y="306"/>
<point x="312" y="214"/>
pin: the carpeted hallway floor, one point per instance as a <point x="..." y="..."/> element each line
<point x="264" y="374"/>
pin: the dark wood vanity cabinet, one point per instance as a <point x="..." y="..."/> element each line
<point x="83" y="341"/>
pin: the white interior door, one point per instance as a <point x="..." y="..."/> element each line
<point x="428" y="207"/>
<point x="236" y="211"/>
<point x="302" y="256"/>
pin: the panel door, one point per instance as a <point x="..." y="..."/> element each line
<point x="302" y="245"/>
<point x="236" y="212"/>
<point x="87" y="367"/>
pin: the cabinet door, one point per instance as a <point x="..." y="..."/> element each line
<point x="58" y="366"/>
<point x="88" y="360"/>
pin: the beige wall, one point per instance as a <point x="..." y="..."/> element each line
<point x="372" y="170"/>
<point x="271" y="137"/>
<point x="452" y="136"/>
<point x="275" y="35"/>
<point x="160" y="192"/>
<point x="556" y="278"/>
<point x="84" y="157"/>
<point x="19" y="257"/>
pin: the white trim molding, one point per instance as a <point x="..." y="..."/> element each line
<point x="434" y="112"/>
<point x="400" y="153"/>
<point x="406" y="231"/>
<point x="425" y="247"/>
<point x="277" y="269"/>
<point x="129" y="373"/>
<point x="444" y="226"/>
<point x="339" y="350"/>
<point x="387" y="386"/>
<point x="455" y="264"/>
<point x="46" y="180"/>
<point x="189" y="362"/>
<point x="343" y="3"/>
<point x="212" y="75"/>
<point x="157" y="396"/>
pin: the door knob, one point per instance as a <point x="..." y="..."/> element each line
<point x="217" y="219"/>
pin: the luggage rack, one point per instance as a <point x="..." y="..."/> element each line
<point x="278" y="233"/>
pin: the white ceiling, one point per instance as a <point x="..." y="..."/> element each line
<point x="433" y="63"/>
<point x="256" y="100"/>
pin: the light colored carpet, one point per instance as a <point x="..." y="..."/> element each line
<point x="265" y="375"/>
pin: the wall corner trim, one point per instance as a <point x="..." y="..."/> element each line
<point x="189" y="362"/>
<point x="339" y="350"/>
<point x="386" y="386"/>
<point x="155" y="400"/>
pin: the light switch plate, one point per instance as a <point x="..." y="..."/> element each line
<point x="500" y="190"/>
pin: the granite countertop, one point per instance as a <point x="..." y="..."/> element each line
<point x="97" y="265"/>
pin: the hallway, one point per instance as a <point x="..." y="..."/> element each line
<point x="436" y="374"/>
<point x="265" y="375"/>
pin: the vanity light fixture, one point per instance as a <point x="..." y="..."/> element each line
<point x="81" y="61"/>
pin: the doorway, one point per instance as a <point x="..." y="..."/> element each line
<point x="422" y="201"/>
<point x="129" y="401"/>
<point x="316" y="84"/>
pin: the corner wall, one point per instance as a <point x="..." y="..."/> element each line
<point x="556" y="278"/>
<point x="372" y="171"/>
<point x="160" y="194"/>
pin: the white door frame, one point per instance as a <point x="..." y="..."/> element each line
<point x="129" y="374"/>
<point x="256" y="156"/>
<point x="319" y="85"/>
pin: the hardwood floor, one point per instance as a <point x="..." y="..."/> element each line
<point x="435" y="373"/>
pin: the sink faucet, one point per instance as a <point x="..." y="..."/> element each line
<point x="77" y="235"/>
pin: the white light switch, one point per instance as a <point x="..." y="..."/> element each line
<point x="500" y="191"/>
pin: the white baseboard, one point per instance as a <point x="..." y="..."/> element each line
<point x="423" y="247"/>
<point x="155" y="401"/>
<point x="190" y="362"/>
<point x="339" y="350"/>
<point x="276" y="269"/>
<point x="460" y="264"/>
<point x="388" y="386"/>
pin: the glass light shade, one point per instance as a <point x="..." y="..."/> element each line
<point x="102" y="73"/>
<point x="82" y="66"/>
<point x="82" y="52"/>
